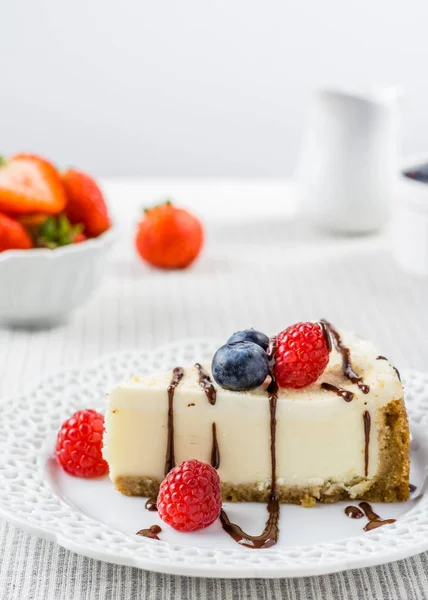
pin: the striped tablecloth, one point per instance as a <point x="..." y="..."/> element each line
<point x="253" y="273"/>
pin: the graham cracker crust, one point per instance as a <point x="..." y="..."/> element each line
<point x="391" y="483"/>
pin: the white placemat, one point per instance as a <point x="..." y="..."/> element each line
<point x="266" y="277"/>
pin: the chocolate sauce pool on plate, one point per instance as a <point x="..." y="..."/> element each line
<point x="345" y="394"/>
<point x="151" y="504"/>
<point x="368" y="511"/>
<point x="374" y="519"/>
<point x="353" y="512"/>
<point x="267" y="538"/>
<point x="151" y="532"/>
<point x="348" y="371"/>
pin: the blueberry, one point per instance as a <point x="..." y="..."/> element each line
<point x="419" y="173"/>
<point x="250" y="335"/>
<point x="240" y="366"/>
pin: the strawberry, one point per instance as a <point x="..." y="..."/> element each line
<point x="30" y="184"/>
<point x="34" y="220"/>
<point x="29" y="155"/>
<point x="86" y="203"/>
<point x="169" y="237"/>
<point x="13" y="235"/>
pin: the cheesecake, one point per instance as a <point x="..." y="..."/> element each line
<point x="344" y="436"/>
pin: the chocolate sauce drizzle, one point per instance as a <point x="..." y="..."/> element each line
<point x="374" y="519"/>
<point x="395" y="368"/>
<point x="326" y="335"/>
<point x="215" y="451"/>
<point x="266" y="539"/>
<point x="177" y="376"/>
<point x="345" y="394"/>
<point x="348" y="371"/>
<point x="367" y="425"/>
<point x="151" y="532"/>
<point x="353" y="512"/>
<point x="269" y="535"/>
<point x="206" y="384"/>
<point x="151" y="504"/>
<point x="412" y="488"/>
<point x="368" y="511"/>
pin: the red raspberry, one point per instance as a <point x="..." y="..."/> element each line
<point x="79" y="444"/>
<point x="301" y="355"/>
<point x="189" y="497"/>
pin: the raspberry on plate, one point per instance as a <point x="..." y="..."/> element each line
<point x="301" y="355"/>
<point x="189" y="497"/>
<point x="79" y="444"/>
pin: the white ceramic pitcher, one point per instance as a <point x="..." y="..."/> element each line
<point x="349" y="159"/>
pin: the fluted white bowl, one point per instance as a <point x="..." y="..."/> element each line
<point x="40" y="287"/>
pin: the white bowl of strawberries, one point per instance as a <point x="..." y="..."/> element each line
<point x="54" y="235"/>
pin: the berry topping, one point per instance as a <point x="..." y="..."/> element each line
<point x="419" y="173"/>
<point x="250" y="335"/>
<point x="301" y="355"/>
<point x="189" y="497"/>
<point x="79" y="444"/>
<point x="240" y="366"/>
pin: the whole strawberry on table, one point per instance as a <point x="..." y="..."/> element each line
<point x="169" y="237"/>
<point x="41" y="207"/>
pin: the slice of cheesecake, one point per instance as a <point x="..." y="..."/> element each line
<point x="344" y="436"/>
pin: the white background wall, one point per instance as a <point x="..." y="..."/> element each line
<point x="196" y="87"/>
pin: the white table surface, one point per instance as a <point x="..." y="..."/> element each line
<point x="261" y="267"/>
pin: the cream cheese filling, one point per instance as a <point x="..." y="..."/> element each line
<point x="319" y="438"/>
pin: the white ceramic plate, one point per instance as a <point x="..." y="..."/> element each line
<point x="91" y="518"/>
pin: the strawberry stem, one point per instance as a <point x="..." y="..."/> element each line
<point x="55" y="231"/>
<point x="2" y="161"/>
<point x="165" y="203"/>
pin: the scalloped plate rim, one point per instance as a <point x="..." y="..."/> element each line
<point x="222" y="572"/>
<point x="219" y="570"/>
